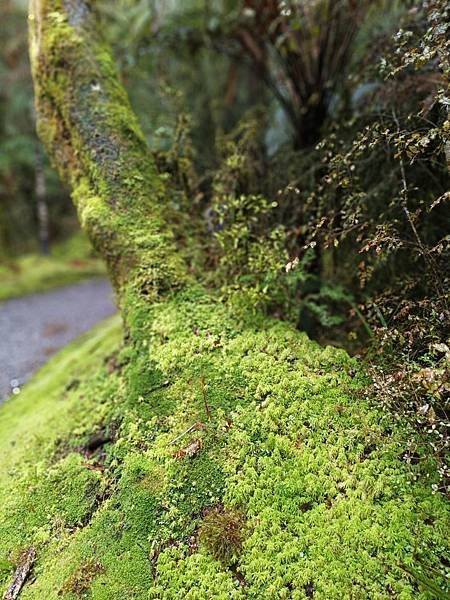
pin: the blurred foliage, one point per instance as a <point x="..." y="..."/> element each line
<point x="19" y="144"/>
<point x="72" y="260"/>
<point x="170" y="65"/>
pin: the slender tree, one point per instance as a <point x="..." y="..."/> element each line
<point x="92" y="135"/>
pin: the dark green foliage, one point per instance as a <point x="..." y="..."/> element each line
<point x="19" y="147"/>
<point x="170" y="66"/>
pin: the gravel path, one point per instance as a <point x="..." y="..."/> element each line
<point x="34" y="327"/>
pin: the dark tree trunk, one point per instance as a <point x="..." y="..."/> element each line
<point x="40" y="190"/>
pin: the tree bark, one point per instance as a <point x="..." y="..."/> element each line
<point x="40" y="190"/>
<point x="94" y="140"/>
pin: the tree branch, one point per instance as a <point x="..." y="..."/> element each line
<point x="93" y="137"/>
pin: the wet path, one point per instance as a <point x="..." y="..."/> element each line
<point x="34" y="327"/>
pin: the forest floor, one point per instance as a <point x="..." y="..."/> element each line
<point x="125" y="468"/>
<point x="36" y="326"/>
<point x="70" y="261"/>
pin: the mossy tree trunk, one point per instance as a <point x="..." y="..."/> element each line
<point x="218" y="426"/>
<point x="93" y="137"/>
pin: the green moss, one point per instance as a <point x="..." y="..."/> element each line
<point x="222" y="532"/>
<point x="204" y="412"/>
<point x="81" y="580"/>
<point x="70" y="262"/>
<point x="86" y="121"/>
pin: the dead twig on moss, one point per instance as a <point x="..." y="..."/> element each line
<point x="23" y="570"/>
<point x="193" y="427"/>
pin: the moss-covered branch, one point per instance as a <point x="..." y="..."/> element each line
<point x="94" y="139"/>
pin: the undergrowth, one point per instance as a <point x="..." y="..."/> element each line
<point x="347" y="238"/>
<point x="216" y="458"/>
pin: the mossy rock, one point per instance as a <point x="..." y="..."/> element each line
<point x="114" y="457"/>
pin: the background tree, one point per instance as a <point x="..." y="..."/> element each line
<point x="19" y="148"/>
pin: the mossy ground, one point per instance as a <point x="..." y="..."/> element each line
<point x="70" y="262"/>
<point x="114" y="455"/>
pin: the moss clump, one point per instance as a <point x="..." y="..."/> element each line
<point x="222" y="533"/>
<point x="81" y="581"/>
<point x="286" y="439"/>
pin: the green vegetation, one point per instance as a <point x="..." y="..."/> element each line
<point x="24" y="170"/>
<point x="213" y="450"/>
<point x="222" y="533"/>
<point x="71" y="261"/>
<point x="115" y="489"/>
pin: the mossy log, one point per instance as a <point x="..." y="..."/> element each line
<point x="204" y="457"/>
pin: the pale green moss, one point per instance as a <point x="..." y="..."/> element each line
<point x="204" y="412"/>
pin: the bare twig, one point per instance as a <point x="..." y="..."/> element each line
<point x="425" y="254"/>
<point x="20" y="576"/>
<point x="186" y="431"/>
